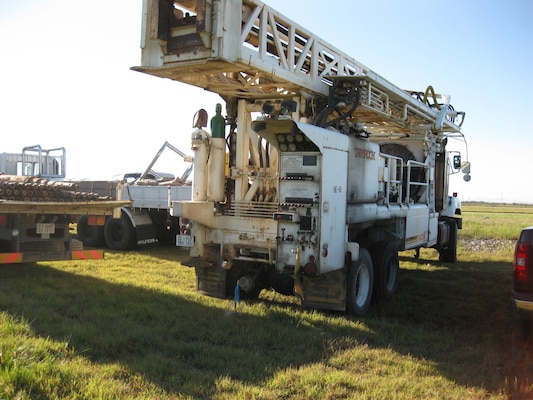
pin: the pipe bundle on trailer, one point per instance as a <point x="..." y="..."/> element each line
<point x="31" y="189"/>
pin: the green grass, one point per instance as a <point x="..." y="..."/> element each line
<point x="132" y="326"/>
<point x="495" y="221"/>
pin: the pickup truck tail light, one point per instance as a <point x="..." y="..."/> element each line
<point x="521" y="262"/>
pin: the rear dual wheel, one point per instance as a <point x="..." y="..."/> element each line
<point x="360" y="284"/>
<point x="386" y="269"/>
<point x="90" y="235"/>
<point x="375" y="275"/>
<point x="120" y="233"/>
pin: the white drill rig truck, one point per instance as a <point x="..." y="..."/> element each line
<point x="321" y="171"/>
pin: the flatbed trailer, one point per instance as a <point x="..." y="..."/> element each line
<point x="74" y="208"/>
<point x="39" y="229"/>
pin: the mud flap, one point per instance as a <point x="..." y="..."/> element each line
<point x="211" y="281"/>
<point x="327" y="291"/>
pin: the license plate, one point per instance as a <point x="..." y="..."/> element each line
<point x="46" y="229"/>
<point x="184" y="240"/>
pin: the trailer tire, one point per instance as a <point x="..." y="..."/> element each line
<point x="386" y="269"/>
<point x="90" y="235"/>
<point x="120" y="234"/>
<point x="360" y="285"/>
<point x="449" y="253"/>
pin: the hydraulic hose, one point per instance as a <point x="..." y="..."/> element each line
<point x="431" y="91"/>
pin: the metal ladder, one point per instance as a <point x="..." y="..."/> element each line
<point x="245" y="49"/>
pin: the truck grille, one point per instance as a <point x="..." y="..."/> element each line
<point x="253" y="209"/>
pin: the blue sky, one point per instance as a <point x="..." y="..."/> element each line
<point x="65" y="79"/>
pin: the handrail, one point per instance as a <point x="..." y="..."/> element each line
<point x="425" y="167"/>
<point x="395" y="167"/>
<point x="245" y="49"/>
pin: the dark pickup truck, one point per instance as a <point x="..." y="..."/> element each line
<point x="522" y="293"/>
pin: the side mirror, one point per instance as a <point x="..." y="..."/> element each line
<point x="457" y="161"/>
<point x="465" y="168"/>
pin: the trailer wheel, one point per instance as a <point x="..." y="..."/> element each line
<point x="90" y="235"/>
<point x="449" y="253"/>
<point x="386" y="269"/>
<point x="359" y="285"/>
<point x="119" y="233"/>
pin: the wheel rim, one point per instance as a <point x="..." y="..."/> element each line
<point x="390" y="275"/>
<point x="362" y="286"/>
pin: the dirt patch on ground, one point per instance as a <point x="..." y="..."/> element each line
<point x="490" y="245"/>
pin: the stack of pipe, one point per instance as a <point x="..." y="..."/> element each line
<point x="31" y="189"/>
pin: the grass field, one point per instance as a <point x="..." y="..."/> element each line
<point x="132" y="326"/>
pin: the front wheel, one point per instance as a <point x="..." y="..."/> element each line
<point x="359" y="285"/>
<point x="449" y="253"/>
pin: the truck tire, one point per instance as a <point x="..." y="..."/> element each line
<point x="90" y="235"/>
<point x="386" y="269"/>
<point x="359" y="285"/>
<point x="120" y="234"/>
<point x="449" y="253"/>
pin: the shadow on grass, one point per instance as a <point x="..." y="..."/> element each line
<point x="460" y="316"/>
<point x="457" y="317"/>
<point x="178" y="344"/>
